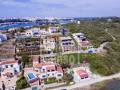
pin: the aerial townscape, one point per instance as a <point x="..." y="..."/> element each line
<point x="49" y="55"/>
<point x="59" y="45"/>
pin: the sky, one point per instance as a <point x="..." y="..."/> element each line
<point x="59" y="8"/>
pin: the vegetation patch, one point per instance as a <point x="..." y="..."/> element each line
<point x="99" y="31"/>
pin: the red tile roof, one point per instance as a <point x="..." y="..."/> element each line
<point x="43" y="64"/>
<point x="82" y="73"/>
<point x="8" y="62"/>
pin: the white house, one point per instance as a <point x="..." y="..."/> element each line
<point x="11" y="66"/>
<point x="34" y="32"/>
<point x="80" y="74"/>
<point x="0" y="40"/>
<point x="54" y="30"/>
<point x="81" y="40"/>
<point x="49" y="43"/>
<point x="3" y="37"/>
<point x="49" y="70"/>
<point x="78" y="36"/>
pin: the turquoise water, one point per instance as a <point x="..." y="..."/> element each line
<point x="31" y="76"/>
<point x="16" y="26"/>
<point x="34" y="88"/>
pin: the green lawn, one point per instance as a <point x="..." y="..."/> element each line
<point x="76" y="58"/>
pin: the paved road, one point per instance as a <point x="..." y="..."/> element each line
<point x="88" y="82"/>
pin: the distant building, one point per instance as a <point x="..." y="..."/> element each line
<point x="33" y="32"/>
<point x="3" y="37"/>
<point x="53" y="30"/>
<point x="0" y="41"/>
<point x="78" y="22"/>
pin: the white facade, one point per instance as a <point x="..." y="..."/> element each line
<point x="9" y="67"/>
<point x="78" y="36"/>
<point x="81" y="40"/>
<point x="3" y="37"/>
<point x="49" y="70"/>
<point x="29" y="33"/>
<point x="53" y="74"/>
<point x="35" y="32"/>
<point x="49" y="44"/>
<point x="53" y="29"/>
<point x="0" y="41"/>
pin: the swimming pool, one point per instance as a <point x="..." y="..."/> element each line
<point x="31" y="76"/>
<point x="34" y="88"/>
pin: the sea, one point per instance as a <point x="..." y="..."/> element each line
<point x="6" y="27"/>
<point x="113" y="85"/>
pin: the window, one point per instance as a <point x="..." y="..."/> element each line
<point x="43" y="70"/>
<point x="48" y="70"/>
<point x="11" y="65"/>
<point x="59" y="74"/>
<point x="6" y="66"/>
<point x="44" y="76"/>
<point x="53" y="70"/>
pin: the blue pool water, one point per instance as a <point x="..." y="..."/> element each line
<point x="16" y="26"/>
<point x="34" y="88"/>
<point x="31" y="76"/>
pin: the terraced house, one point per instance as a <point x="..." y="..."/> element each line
<point x="67" y="44"/>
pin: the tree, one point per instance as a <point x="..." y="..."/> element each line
<point x="65" y="65"/>
<point x="68" y="77"/>
<point x="21" y="83"/>
<point x="25" y="60"/>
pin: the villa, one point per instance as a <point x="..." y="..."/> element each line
<point x="53" y="29"/>
<point x="33" y="32"/>
<point x="80" y="74"/>
<point x="81" y="40"/>
<point x="67" y="44"/>
<point x="28" y="45"/>
<point x="48" y="70"/>
<point x="49" y="43"/>
<point x="9" y="68"/>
